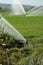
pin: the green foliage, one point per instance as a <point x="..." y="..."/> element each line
<point x="23" y="61"/>
<point x="15" y="57"/>
<point x="26" y="51"/>
<point x="33" y="59"/>
<point x="5" y="38"/>
<point x="16" y="50"/>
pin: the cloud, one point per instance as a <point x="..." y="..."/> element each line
<point x="32" y="2"/>
<point x="29" y="2"/>
<point x="5" y="1"/>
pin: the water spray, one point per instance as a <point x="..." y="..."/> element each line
<point x="7" y="28"/>
<point x="17" y="8"/>
<point x="36" y="11"/>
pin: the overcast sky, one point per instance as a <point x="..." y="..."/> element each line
<point x="30" y="2"/>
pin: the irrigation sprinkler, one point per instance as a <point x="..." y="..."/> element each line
<point x="7" y="28"/>
<point x="36" y="11"/>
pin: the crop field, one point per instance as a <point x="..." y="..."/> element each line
<point x="30" y="27"/>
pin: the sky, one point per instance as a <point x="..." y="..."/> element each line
<point x="29" y="2"/>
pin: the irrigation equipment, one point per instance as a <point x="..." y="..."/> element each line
<point x="7" y="28"/>
<point x="17" y="8"/>
<point x="36" y="11"/>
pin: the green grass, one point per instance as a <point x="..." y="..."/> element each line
<point x="30" y="27"/>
